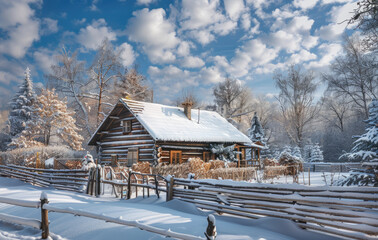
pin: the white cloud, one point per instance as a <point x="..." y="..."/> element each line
<point x="330" y="32"/>
<point x="203" y="19"/>
<point x="309" y="41"/>
<point x="92" y="35"/>
<point x="145" y="2"/>
<point x="171" y="80"/>
<point x="203" y="36"/>
<point x="301" y="56"/>
<point x="49" y="26"/>
<point x="156" y="34"/>
<point x="328" y="53"/>
<point x="45" y="58"/>
<point x="338" y="22"/>
<point x="245" y="21"/>
<point x="196" y="14"/>
<point x="127" y="54"/>
<point x="234" y="8"/>
<point x="184" y="48"/>
<point x="192" y="62"/>
<point x="211" y="75"/>
<point x="19" y="25"/>
<point x="305" y="4"/>
<point x="284" y="40"/>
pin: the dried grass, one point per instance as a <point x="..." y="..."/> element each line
<point x="142" y="167"/>
<point x="271" y="172"/>
<point x="214" y="169"/>
<point x="236" y="174"/>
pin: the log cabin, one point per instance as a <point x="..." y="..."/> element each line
<point x="137" y="131"/>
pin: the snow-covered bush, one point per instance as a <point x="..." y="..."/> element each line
<point x="366" y="146"/>
<point x="27" y="156"/>
<point x="49" y="117"/>
<point x="359" y="178"/>
<point x="316" y="154"/>
<point x="224" y="153"/>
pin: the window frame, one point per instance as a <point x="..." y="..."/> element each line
<point x="126" y="126"/>
<point x="172" y="152"/>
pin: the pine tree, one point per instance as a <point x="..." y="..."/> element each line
<point x="50" y="118"/>
<point x="296" y="152"/>
<point x="21" y="106"/>
<point x="366" y="146"/>
<point x="256" y="132"/>
<point x="316" y="154"/>
<point x="307" y="152"/>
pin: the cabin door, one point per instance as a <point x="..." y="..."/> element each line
<point x="175" y="157"/>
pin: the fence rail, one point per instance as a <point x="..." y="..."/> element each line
<point x="73" y="180"/>
<point x="350" y="212"/>
<point x="43" y="224"/>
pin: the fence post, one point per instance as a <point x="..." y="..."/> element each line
<point x="211" y="230"/>
<point x="157" y="186"/>
<point x="37" y="161"/>
<point x="44" y="216"/>
<point x="170" y="189"/>
<point x="129" y="186"/>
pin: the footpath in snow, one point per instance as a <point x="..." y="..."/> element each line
<point x="175" y="215"/>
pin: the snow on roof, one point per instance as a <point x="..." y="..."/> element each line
<point x="168" y="123"/>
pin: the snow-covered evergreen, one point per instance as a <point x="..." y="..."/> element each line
<point x="256" y="132"/>
<point x="296" y="152"/>
<point x="307" y="152"/>
<point x="50" y="118"/>
<point x="21" y="106"/>
<point x="316" y="154"/>
<point x="223" y="153"/>
<point x="366" y="146"/>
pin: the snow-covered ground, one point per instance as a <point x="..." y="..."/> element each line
<point x="175" y="215"/>
<point x="316" y="178"/>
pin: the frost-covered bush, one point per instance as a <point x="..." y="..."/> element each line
<point x="224" y="153"/>
<point x="359" y="178"/>
<point x="27" y="156"/>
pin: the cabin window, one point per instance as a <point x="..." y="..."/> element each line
<point x="175" y="157"/>
<point x="126" y="126"/>
<point x="132" y="156"/>
<point x="206" y="156"/>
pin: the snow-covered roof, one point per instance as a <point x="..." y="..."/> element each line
<point x="168" y="123"/>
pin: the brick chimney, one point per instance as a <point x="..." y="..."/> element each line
<point x="188" y="109"/>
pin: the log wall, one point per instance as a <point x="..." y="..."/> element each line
<point x="113" y="141"/>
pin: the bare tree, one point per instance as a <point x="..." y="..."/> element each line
<point x="366" y="18"/>
<point x="337" y="110"/>
<point x="354" y="75"/>
<point x="67" y="78"/>
<point x="188" y="95"/>
<point x="103" y="72"/>
<point x="230" y="97"/>
<point x="131" y="84"/>
<point x="296" y="101"/>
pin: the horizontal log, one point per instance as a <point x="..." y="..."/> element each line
<point x="357" y="228"/>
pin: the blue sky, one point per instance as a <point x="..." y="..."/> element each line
<point x="178" y="45"/>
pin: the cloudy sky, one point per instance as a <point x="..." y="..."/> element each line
<point x="178" y="45"/>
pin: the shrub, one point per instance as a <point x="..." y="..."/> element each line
<point x="27" y="156"/>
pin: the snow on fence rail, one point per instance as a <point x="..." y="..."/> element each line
<point x="350" y="212"/>
<point x="73" y="180"/>
<point x="43" y="224"/>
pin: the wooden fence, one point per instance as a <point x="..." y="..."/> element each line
<point x="350" y="212"/>
<point x="73" y="180"/>
<point x="43" y="224"/>
<point x="131" y="181"/>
